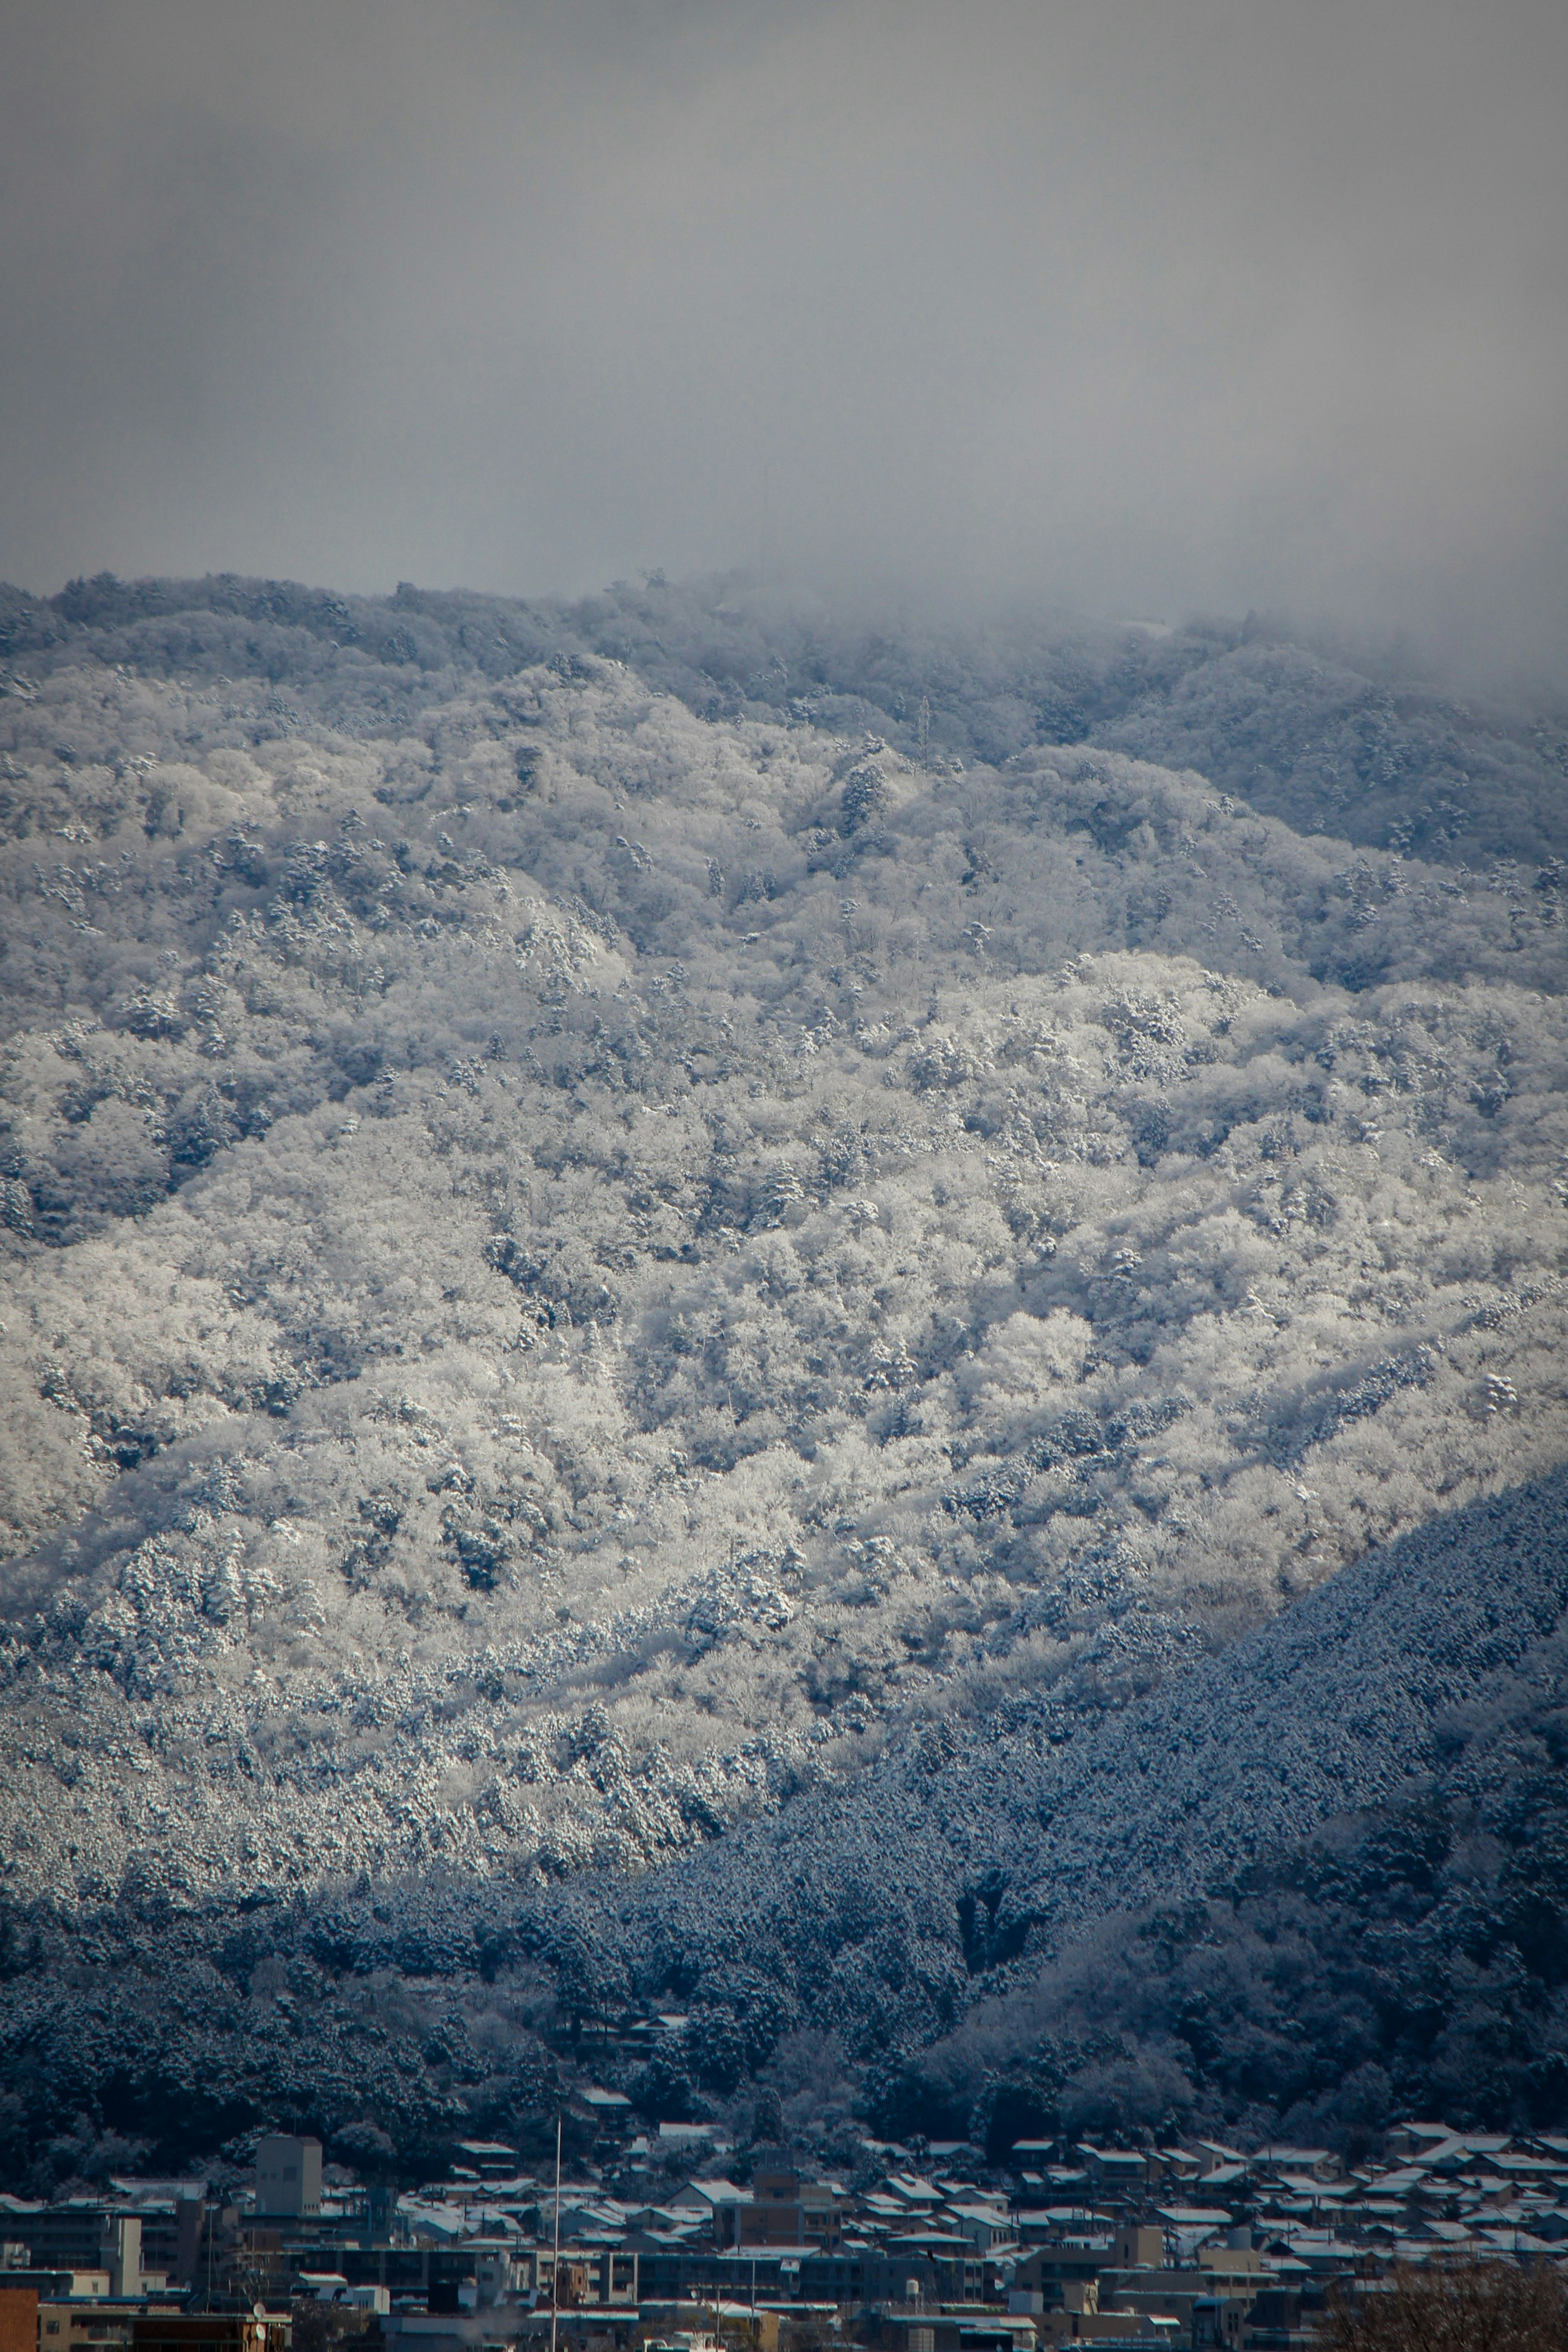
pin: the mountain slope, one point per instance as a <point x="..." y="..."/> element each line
<point x="1169" y="1920"/>
<point x="588" y="1265"/>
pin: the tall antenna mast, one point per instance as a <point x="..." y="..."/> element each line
<point x="555" y="2267"/>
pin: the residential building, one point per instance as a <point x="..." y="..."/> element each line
<point x="211" y="2331"/>
<point x="288" y="2177"/>
<point x="99" y="2323"/>
<point x="1081" y="2321"/>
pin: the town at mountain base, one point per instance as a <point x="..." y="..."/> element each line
<point x="679" y="2241"/>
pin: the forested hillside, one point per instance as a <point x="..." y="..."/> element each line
<point x="620" y="1218"/>
<point x="1168" y="1924"/>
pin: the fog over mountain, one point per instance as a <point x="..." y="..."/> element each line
<point x="827" y="1289"/>
<point x="1148" y="309"/>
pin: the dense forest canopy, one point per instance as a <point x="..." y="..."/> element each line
<point x="629" y="1223"/>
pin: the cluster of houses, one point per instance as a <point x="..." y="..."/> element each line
<point x="676" y="2240"/>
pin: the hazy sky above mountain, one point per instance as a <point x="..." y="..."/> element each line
<point x="1141" y="306"/>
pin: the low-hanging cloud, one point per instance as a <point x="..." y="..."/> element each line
<point x="1141" y="306"/>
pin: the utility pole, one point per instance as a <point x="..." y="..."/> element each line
<point x="556" y="2267"/>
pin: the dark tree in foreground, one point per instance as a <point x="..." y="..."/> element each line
<point x="1472" y="2307"/>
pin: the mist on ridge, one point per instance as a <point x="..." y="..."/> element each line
<point x="1140" y="311"/>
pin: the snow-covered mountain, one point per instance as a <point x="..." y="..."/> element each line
<point x="1315" y="1880"/>
<point x="602" y="1258"/>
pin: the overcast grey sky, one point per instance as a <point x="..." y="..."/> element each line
<point x="1145" y="306"/>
